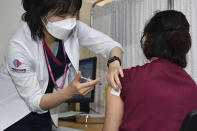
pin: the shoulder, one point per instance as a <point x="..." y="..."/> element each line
<point x="129" y="74"/>
<point x="22" y="33"/>
<point x="81" y="24"/>
<point x="82" y="27"/>
<point x="22" y="38"/>
<point x="21" y="42"/>
<point x="136" y="71"/>
<point x="131" y="70"/>
<point x="82" y="30"/>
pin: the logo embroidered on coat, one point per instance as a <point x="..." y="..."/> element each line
<point x="17" y="63"/>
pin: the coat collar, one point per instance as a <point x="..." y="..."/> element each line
<point x="72" y="49"/>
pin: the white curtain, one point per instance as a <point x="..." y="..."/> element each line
<point x="123" y="20"/>
<point x="188" y="7"/>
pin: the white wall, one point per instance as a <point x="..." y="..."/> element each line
<point x="10" y="20"/>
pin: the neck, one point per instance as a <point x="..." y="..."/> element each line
<point x="48" y="37"/>
<point x="50" y="40"/>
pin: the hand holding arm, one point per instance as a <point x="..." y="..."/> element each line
<point x="115" y="70"/>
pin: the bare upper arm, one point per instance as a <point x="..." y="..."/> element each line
<point x="114" y="112"/>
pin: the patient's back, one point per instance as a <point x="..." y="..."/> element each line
<point x="157" y="96"/>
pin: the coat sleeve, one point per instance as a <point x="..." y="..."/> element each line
<point x="20" y="68"/>
<point x="94" y="40"/>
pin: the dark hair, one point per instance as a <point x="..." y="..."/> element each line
<point x="35" y="9"/>
<point x="167" y="36"/>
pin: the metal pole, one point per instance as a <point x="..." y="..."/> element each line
<point x="94" y="4"/>
<point x="171" y="4"/>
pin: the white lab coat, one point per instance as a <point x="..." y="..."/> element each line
<point x="23" y="86"/>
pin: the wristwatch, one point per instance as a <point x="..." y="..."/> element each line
<point x="112" y="59"/>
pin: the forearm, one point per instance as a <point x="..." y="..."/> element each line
<point x="116" y="51"/>
<point x="52" y="100"/>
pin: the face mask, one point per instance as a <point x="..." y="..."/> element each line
<point x="61" y="29"/>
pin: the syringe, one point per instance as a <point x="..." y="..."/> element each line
<point x="87" y="79"/>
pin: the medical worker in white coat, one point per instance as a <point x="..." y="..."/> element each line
<point x="41" y="64"/>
